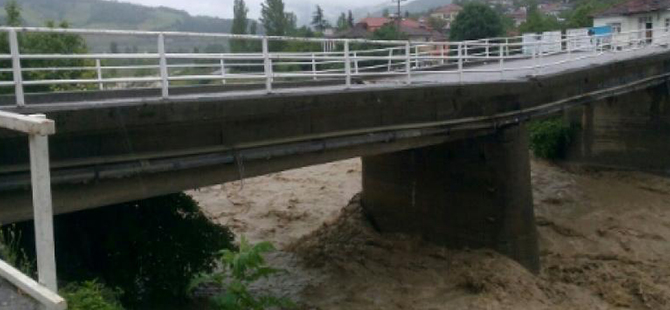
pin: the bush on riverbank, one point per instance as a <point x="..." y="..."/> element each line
<point x="150" y="249"/>
<point x="91" y="295"/>
<point x="549" y="139"/>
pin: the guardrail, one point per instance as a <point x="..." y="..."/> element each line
<point x="345" y="59"/>
<point x="38" y="128"/>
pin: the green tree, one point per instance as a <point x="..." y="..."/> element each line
<point x="476" y="21"/>
<point x="350" y="19"/>
<point x="539" y="22"/>
<point x="342" y="23"/>
<point x="319" y="22"/>
<point x="386" y="13"/>
<point x="13" y="11"/>
<point x="240" y="25"/>
<point x="275" y="21"/>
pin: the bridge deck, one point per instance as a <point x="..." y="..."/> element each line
<point x="487" y="72"/>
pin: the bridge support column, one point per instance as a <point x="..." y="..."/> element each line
<point x="469" y="193"/>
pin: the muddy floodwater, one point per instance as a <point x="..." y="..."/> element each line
<point x="604" y="239"/>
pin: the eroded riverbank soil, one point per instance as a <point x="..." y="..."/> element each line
<point x="604" y="238"/>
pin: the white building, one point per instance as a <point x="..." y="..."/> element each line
<point x="646" y="21"/>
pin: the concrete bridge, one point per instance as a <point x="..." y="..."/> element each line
<point x="445" y="150"/>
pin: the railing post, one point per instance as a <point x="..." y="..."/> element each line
<point x="390" y="60"/>
<point x="416" y="56"/>
<point x="534" y="53"/>
<point x="460" y="62"/>
<point x="347" y="64"/>
<point x="465" y="51"/>
<point x="98" y="69"/>
<point x="42" y="209"/>
<point x="541" y="56"/>
<point x="267" y="67"/>
<point x="356" y="62"/>
<point x="163" y="66"/>
<point x="408" y="62"/>
<point x="442" y="54"/>
<point x="487" y="48"/>
<point x="507" y="46"/>
<point x="222" y="63"/>
<point x="16" y="68"/>
<point x="501" y="48"/>
<point x="314" y="66"/>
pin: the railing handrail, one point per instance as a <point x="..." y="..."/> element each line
<point x="38" y="128"/>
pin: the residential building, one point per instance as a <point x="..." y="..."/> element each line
<point x="647" y="20"/>
<point x="447" y="13"/>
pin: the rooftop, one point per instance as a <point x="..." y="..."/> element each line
<point x="635" y="7"/>
<point x="449" y="8"/>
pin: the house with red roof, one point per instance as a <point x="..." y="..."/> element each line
<point x="648" y="20"/>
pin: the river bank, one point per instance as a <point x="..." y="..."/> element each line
<point x="603" y="238"/>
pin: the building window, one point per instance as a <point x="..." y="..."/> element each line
<point x="616" y="27"/>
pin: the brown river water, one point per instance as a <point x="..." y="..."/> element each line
<point x="604" y="239"/>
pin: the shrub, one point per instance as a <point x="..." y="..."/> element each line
<point x="239" y="269"/>
<point x="91" y="295"/>
<point x="151" y="249"/>
<point x="550" y="138"/>
<point x="12" y="252"/>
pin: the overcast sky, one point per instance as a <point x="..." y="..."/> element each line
<point x="224" y="8"/>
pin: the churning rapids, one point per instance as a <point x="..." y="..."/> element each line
<point x="604" y="238"/>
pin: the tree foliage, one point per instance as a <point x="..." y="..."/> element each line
<point x="319" y="21"/>
<point x="91" y="295"/>
<point x="476" y="21"/>
<point x="388" y="32"/>
<point x="150" y="249"/>
<point x="550" y="138"/>
<point x="240" y="25"/>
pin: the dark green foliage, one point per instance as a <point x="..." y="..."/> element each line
<point x="91" y="295"/>
<point x="240" y="25"/>
<point x="550" y="138"/>
<point x="388" y="32"/>
<point x="12" y="253"/>
<point x="150" y="248"/>
<point x="45" y="43"/>
<point x="476" y="21"/>
<point x="275" y="21"/>
<point x="240" y="269"/>
<point x="319" y="21"/>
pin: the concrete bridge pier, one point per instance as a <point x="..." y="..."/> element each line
<point x="468" y="193"/>
<point x="630" y="131"/>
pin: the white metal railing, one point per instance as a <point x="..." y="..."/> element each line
<point x="38" y="128"/>
<point x="338" y="59"/>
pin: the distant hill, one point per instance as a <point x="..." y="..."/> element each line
<point x="115" y="15"/>
<point x="415" y="6"/>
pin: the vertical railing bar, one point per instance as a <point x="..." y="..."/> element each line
<point x="16" y="68"/>
<point x="347" y="64"/>
<point x="460" y="62"/>
<point x="314" y="66"/>
<point x="43" y="209"/>
<point x="163" y="67"/>
<point x="267" y="67"/>
<point x="390" y="59"/>
<point x="356" y="62"/>
<point x="442" y="54"/>
<point x="501" y="48"/>
<point x="408" y="62"/>
<point x="222" y="63"/>
<point x="98" y="69"/>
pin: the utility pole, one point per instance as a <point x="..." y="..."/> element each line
<point x="398" y="18"/>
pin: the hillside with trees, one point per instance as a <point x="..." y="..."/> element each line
<point x="115" y="15"/>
